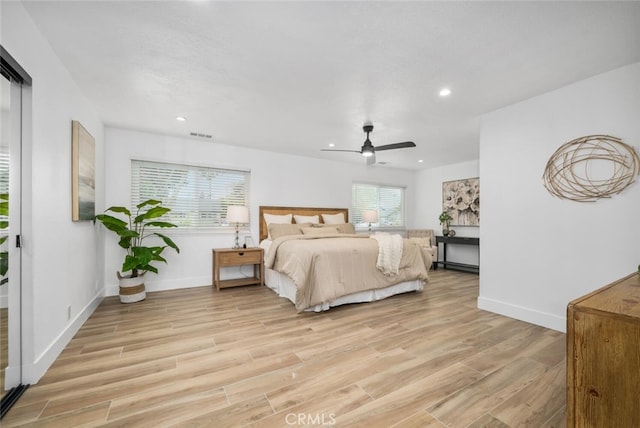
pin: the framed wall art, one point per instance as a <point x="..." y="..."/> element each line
<point x="83" y="175"/>
<point x="461" y="199"/>
<point x="248" y="242"/>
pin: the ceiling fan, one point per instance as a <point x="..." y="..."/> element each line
<point x="368" y="150"/>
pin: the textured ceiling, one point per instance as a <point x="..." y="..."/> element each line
<point x="295" y="76"/>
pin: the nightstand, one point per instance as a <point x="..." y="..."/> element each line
<point x="225" y="257"/>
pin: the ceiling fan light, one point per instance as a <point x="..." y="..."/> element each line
<point x="367" y="151"/>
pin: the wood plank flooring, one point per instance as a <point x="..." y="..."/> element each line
<point x="243" y="357"/>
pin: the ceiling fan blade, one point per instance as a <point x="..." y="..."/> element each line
<point x="371" y="159"/>
<point x="337" y="150"/>
<point x="396" y="146"/>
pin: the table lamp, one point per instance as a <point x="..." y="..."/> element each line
<point x="237" y="214"/>
<point x="369" y="216"/>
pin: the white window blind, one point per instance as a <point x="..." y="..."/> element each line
<point x="388" y="201"/>
<point x="198" y="196"/>
<point x="4" y="192"/>
<point x="4" y="170"/>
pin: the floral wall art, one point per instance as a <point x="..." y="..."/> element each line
<point x="461" y="199"/>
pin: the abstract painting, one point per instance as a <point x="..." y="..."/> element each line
<point x="83" y="186"/>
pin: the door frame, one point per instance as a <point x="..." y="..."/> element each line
<point x="20" y="83"/>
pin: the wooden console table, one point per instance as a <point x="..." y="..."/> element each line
<point x="457" y="240"/>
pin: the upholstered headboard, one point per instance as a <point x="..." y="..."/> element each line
<point x="264" y="232"/>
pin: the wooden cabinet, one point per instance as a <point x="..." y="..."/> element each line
<point x="225" y="257"/>
<point x="603" y="356"/>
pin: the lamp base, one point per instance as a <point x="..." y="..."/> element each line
<point x="237" y="242"/>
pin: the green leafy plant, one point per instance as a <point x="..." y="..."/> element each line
<point x="132" y="234"/>
<point x="445" y="218"/>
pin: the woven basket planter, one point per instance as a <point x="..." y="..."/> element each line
<point x="131" y="289"/>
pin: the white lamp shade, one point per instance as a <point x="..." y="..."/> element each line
<point x="369" y="216"/>
<point x="237" y="214"/>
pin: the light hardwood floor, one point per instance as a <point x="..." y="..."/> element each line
<point x="238" y="357"/>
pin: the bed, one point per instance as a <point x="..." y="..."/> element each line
<point x="314" y="258"/>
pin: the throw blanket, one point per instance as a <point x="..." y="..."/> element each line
<point x="389" y="252"/>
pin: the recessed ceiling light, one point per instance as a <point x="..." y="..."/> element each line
<point x="445" y="92"/>
<point x="420" y="161"/>
<point x="331" y="145"/>
<point x="181" y="118"/>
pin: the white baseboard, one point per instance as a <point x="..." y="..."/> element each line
<point x="33" y="372"/>
<point x="12" y="377"/>
<point x="521" y="313"/>
<point x="173" y="284"/>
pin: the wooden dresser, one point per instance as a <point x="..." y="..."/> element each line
<point x="603" y="356"/>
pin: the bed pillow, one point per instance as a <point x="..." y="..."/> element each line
<point x="333" y="218"/>
<point x="342" y="228"/>
<point x="346" y="228"/>
<point x="319" y="230"/>
<point x="277" y="230"/>
<point x="313" y="219"/>
<point x="277" y="219"/>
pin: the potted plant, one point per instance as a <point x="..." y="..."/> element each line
<point x="445" y="220"/>
<point x="133" y="233"/>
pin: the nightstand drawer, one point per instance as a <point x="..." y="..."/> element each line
<point x="241" y="257"/>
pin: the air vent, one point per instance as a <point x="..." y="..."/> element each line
<point x="200" y="135"/>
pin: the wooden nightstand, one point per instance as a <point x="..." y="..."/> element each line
<point x="225" y="257"/>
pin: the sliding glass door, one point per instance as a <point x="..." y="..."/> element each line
<point x="12" y="80"/>
<point x="5" y="111"/>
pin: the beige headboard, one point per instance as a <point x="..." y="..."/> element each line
<point x="264" y="232"/>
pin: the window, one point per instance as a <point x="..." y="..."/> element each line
<point x="388" y="201"/>
<point x="198" y="196"/>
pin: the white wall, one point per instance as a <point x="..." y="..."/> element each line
<point x="62" y="260"/>
<point x="429" y="206"/>
<point x="276" y="179"/>
<point x="540" y="252"/>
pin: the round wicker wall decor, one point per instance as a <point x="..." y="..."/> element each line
<point x="569" y="171"/>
